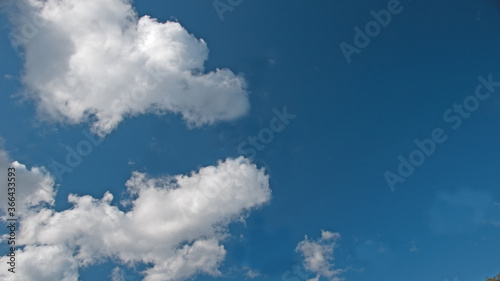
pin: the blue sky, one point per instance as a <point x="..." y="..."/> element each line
<point x="326" y="167"/>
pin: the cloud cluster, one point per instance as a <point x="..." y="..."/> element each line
<point x="35" y="186"/>
<point x="97" y="61"/>
<point x="176" y="223"/>
<point x="318" y="256"/>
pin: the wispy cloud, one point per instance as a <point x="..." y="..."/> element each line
<point x="318" y="256"/>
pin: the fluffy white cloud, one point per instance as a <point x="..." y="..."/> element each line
<point x="33" y="186"/>
<point x="97" y="60"/>
<point x="176" y="223"/>
<point x="318" y="256"/>
<point x="43" y="263"/>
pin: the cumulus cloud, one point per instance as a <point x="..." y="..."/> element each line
<point x="318" y="256"/>
<point x="34" y="186"/>
<point x="97" y="61"/>
<point x="43" y="263"/>
<point x="176" y="223"/>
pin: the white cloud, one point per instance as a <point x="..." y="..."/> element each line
<point x="117" y="274"/>
<point x="327" y="235"/>
<point x="43" y="263"/>
<point x="97" y="61"/>
<point x="318" y="256"/>
<point x="251" y="273"/>
<point x="176" y="223"/>
<point x="34" y="186"/>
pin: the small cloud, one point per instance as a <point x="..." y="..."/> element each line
<point x="318" y="255"/>
<point x="8" y="76"/>
<point x="251" y="273"/>
<point x="271" y="62"/>
<point x="413" y="247"/>
<point x="117" y="274"/>
<point x="327" y="235"/>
